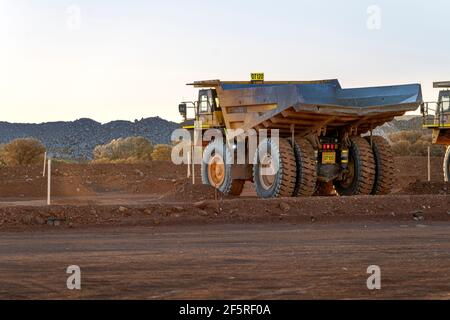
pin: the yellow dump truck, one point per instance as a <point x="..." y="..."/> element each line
<point x="325" y="135"/>
<point x="436" y="116"/>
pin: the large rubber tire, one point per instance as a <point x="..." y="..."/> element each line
<point x="306" y="177"/>
<point x="362" y="161"/>
<point x="228" y="186"/>
<point x="284" y="179"/>
<point x="384" y="166"/>
<point x="447" y="165"/>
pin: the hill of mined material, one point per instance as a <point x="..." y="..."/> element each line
<point x="77" y="139"/>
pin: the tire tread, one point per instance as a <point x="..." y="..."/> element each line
<point x="306" y="177"/>
<point x="384" y="163"/>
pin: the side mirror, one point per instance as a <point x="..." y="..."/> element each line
<point x="182" y="108"/>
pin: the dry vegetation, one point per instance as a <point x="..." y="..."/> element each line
<point x="124" y="150"/>
<point x="162" y="152"/>
<point x="18" y="152"/>
<point x="414" y="143"/>
<point x="29" y="151"/>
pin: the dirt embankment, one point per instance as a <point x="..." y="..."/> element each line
<point x="420" y="187"/>
<point x="72" y="180"/>
<point x="159" y="193"/>
<point x="167" y="180"/>
<point x="408" y="170"/>
<point x="418" y="209"/>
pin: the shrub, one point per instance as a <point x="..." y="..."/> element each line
<point x="132" y="149"/>
<point x="26" y="151"/>
<point x="401" y="148"/>
<point x="420" y="148"/>
<point x="415" y="145"/>
<point x="410" y="136"/>
<point x="438" y="150"/>
<point x="162" y="152"/>
<point x="427" y="138"/>
<point x="2" y="161"/>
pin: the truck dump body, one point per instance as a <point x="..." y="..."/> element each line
<point x="307" y="106"/>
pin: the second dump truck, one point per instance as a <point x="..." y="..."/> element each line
<point x="325" y="135"/>
<point x="436" y="116"/>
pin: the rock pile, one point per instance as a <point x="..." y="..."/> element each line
<point x="77" y="139"/>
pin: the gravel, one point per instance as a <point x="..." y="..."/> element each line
<point x="76" y="140"/>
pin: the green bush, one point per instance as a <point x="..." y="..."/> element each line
<point x="18" y="152"/>
<point x="132" y="149"/>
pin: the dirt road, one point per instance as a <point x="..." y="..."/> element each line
<point x="262" y="261"/>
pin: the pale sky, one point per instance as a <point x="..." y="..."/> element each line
<point x="110" y="60"/>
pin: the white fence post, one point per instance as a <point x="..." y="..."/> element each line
<point x="189" y="164"/>
<point x="429" y="164"/>
<point x="193" y="164"/>
<point x="49" y="181"/>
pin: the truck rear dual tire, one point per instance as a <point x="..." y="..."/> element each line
<point x="306" y="160"/>
<point x="275" y="169"/>
<point x="447" y="165"/>
<point x="384" y="166"/>
<point x="216" y="169"/>
<point x="360" y="179"/>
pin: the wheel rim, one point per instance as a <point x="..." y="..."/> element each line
<point x="267" y="172"/>
<point x="216" y="170"/>
<point x="350" y="175"/>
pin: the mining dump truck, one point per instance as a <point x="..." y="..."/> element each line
<point x="436" y="116"/>
<point x="325" y="139"/>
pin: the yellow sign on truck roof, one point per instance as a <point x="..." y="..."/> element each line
<point x="257" y="77"/>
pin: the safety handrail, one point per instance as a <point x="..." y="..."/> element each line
<point x="433" y="116"/>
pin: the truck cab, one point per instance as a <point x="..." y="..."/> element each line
<point x="437" y="118"/>
<point x="436" y="115"/>
<point x="444" y="99"/>
<point x="206" y="110"/>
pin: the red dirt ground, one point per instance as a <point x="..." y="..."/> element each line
<point x="159" y="193"/>
<point x="159" y="178"/>
<point x="145" y="232"/>
<point x="239" y="261"/>
<point x="71" y="180"/>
